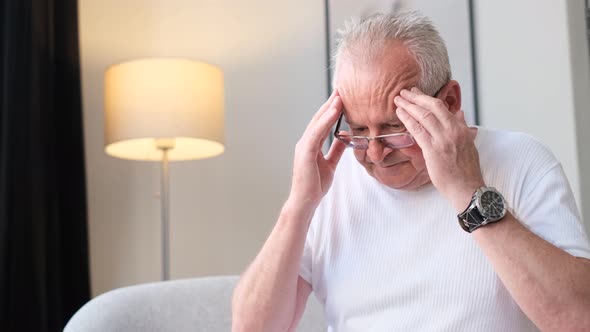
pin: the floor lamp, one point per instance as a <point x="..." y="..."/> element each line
<point x="163" y="109"/>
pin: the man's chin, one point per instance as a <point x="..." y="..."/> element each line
<point x="402" y="168"/>
<point x="397" y="176"/>
<point x="400" y="184"/>
<point x="395" y="180"/>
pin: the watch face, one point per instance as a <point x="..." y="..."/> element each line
<point x="491" y="205"/>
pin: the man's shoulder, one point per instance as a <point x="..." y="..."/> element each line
<point x="510" y="144"/>
<point x="512" y="152"/>
<point x="504" y="137"/>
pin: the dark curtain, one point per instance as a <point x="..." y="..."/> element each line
<point x="43" y="240"/>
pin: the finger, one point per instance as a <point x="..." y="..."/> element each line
<point x="319" y="129"/>
<point x="335" y="152"/>
<point x="424" y="116"/>
<point x="422" y="137"/>
<point x="326" y="105"/>
<point x="435" y="105"/>
<point x="460" y="116"/>
<point x="327" y="122"/>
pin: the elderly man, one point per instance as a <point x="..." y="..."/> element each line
<point x="427" y="224"/>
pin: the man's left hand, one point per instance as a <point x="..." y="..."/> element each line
<point x="446" y="142"/>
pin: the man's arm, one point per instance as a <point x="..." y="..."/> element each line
<point x="270" y="295"/>
<point x="303" y="291"/>
<point x="265" y="298"/>
<point x="551" y="286"/>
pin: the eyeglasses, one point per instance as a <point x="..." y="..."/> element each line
<point x="394" y="141"/>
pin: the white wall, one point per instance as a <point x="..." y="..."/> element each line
<point x="580" y="69"/>
<point x="222" y="209"/>
<point x="533" y="77"/>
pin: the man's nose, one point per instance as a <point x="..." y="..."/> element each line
<point x="376" y="151"/>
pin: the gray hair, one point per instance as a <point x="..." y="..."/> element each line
<point x="366" y="39"/>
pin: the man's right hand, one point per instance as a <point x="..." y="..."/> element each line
<point x="271" y="295"/>
<point x="312" y="171"/>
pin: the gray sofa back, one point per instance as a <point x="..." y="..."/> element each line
<point x="200" y="304"/>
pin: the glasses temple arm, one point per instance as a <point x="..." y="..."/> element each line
<point x="337" y="129"/>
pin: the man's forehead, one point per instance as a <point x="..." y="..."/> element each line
<point x="362" y="97"/>
<point x="360" y="85"/>
<point x="365" y="78"/>
<point x="394" y="63"/>
<point x="364" y="118"/>
<point x="367" y="89"/>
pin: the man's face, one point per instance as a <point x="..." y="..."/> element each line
<point x="367" y="92"/>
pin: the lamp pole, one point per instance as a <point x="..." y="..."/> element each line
<point x="165" y="145"/>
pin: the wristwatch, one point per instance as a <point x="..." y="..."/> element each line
<point x="487" y="206"/>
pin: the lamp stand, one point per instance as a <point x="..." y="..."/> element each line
<point x="165" y="145"/>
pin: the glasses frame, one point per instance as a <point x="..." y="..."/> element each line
<point x="379" y="138"/>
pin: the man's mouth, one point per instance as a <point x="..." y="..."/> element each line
<point x="394" y="164"/>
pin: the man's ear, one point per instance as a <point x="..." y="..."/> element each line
<point x="451" y="96"/>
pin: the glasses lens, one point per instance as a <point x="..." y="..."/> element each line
<point x="347" y="139"/>
<point x="353" y="142"/>
<point x="344" y="133"/>
<point x="399" y="141"/>
<point x="396" y="141"/>
<point x="359" y="143"/>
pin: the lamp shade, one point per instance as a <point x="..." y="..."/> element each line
<point x="175" y="101"/>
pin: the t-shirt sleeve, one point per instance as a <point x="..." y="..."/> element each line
<point x="549" y="210"/>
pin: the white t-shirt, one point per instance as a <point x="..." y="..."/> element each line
<point x="380" y="259"/>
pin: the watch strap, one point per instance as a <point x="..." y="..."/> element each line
<point x="471" y="219"/>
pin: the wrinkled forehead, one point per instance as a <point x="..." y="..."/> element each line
<point x="393" y="62"/>
<point x="375" y="82"/>
<point x="368" y="90"/>
<point x="372" y="82"/>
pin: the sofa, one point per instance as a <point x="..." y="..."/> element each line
<point x="199" y="304"/>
